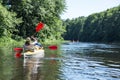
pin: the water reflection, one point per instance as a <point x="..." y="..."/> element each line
<point x="31" y="67"/>
<point x="51" y="67"/>
<point x="5" y="66"/>
<point x="72" y="61"/>
<point x="18" y="71"/>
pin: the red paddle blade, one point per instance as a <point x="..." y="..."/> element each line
<point x="18" y="49"/>
<point x="39" y="26"/>
<point x="53" y="47"/>
<point x="18" y="55"/>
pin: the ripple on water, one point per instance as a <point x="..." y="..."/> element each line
<point x="87" y="69"/>
<point x="90" y="61"/>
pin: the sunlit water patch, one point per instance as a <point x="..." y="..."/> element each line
<point x="82" y="63"/>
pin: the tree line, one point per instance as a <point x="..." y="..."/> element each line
<point x="97" y="27"/>
<point x="18" y="18"/>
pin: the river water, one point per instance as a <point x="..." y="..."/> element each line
<point x="71" y="61"/>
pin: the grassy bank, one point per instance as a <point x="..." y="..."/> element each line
<point x="8" y="42"/>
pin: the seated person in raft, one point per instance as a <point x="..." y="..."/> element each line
<point x="35" y="42"/>
<point x="31" y="45"/>
<point x="28" y="46"/>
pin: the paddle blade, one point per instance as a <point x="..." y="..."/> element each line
<point x="53" y="47"/>
<point x="18" y="55"/>
<point x="18" y="49"/>
<point x="39" y="26"/>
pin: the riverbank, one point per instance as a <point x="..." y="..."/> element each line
<point x="8" y="42"/>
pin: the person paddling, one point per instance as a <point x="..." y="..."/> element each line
<point x="35" y="42"/>
<point x="28" y="46"/>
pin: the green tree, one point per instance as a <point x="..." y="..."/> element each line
<point x="34" y="11"/>
<point x="97" y="27"/>
<point x="8" y="21"/>
<point x="74" y="28"/>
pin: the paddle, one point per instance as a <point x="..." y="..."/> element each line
<point x="53" y="47"/>
<point x="18" y="52"/>
<point x="38" y="28"/>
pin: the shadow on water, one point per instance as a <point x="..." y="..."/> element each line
<point x="71" y="61"/>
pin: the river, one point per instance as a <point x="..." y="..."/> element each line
<point x="71" y="61"/>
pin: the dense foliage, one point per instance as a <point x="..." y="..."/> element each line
<point x="34" y="11"/>
<point x="100" y="27"/>
<point x="18" y="19"/>
<point x="8" y="21"/>
<point x="74" y="28"/>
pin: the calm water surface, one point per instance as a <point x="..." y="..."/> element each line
<point x="72" y="61"/>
